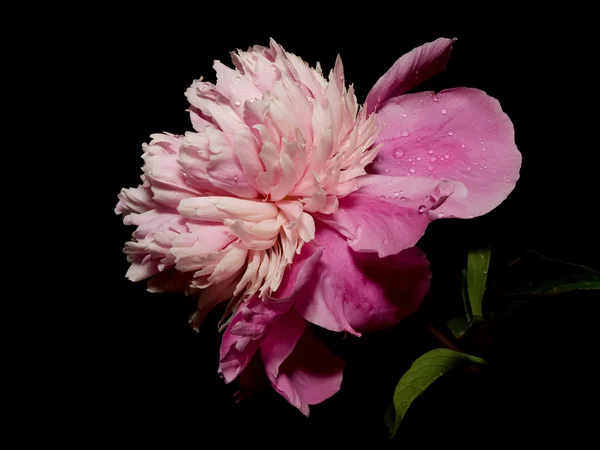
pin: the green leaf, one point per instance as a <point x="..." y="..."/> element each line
<point x="478" y="263"/>
<point x="458" y="326"/>
<point x="465" y="296"/>
<point x="534" y="274"/>
<point x="425" y="370"/>
<point x="390" y="418"/>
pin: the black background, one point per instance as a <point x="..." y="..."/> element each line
<point x="152" y="376"/>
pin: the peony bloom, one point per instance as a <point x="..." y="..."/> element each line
<point x="299" y="207"/>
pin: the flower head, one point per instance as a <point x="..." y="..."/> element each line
<point x="298" y="206"/>
<point x="275" y="143"/>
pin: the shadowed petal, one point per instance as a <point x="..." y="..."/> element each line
<point x="410" y="70"/>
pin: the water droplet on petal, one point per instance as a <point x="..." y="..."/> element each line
<point x="444" y="111"/>
<point x="430" y="168"/>
<point x="235" y="178"/>
<point x="418" y="139"/>
<point x="440" y="215"/>
<point x="508" y="180"/>
<point x="419" y="158"/>
<point x="238" y="79"/>
<point x="483" y="149"/>
<point x="405" y="133"/>
<point x="412" y="170"/>
<point x="422" y="209"/>
<point x="485" y="167"/>
<point x="409" y="159"/>
<point x="450" y="133"/>
<point x="430" y="151"/>
<point x="463" y="145"/>
<point x="238" y="103"/>
<point x="378" y="159"/>
<point x="303" y="144"/>
<point x="370" y="204"/>
<point x="468" y="168"/>
<point x="413" y="163"/>
<point x="435" y="99"/>
<point x="433" y="159"/>
<point x="396" y="194"/>
<point x="404" y="115"/>
<point x="447" y="156"/>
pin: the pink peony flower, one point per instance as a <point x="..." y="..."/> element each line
<point x="298" y="206"/>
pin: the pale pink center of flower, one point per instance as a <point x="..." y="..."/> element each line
<point x="275" y="144"/>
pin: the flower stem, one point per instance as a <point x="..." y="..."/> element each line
<point x="442" y="338"/>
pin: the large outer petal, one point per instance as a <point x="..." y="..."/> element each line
<point x="371" y="292"/>
<point x="380" y="225"/>
<point x="410" y="70"/>
<point x="254" y="318"/>
<point x="300" y="367"/>
<point x="459" y="134"/>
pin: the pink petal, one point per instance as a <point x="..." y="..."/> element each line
<point x="264" y="74"/>
<point x="216" y="209"/>
<point x="235" y="86"/>
<point x="361" y="289"/>
<point x="199" y="123"/>
<point x="460" y="135"/>
<point x="410" y="70"/>
<point x="298" y="104"/>
<point x="306" y="75"/>
<point x="237" y="348"/>
<point x="286" y="181"/>
<point x="194" y="156"/>
<point x="136" y="200"/>
<point x="246" y="150"/>
<point x="224" y="169"/>
<point x="322" y="122"/>
<point x="141" y="270"/>
<point x="211" y="297"/>
<point x="259" y="315"/>
<point x="280" y="341"/>
<point x="168" y="184"/>
<point x="216" y="107"/>
<point x="291" y="208"/>
<point x="381" y="225"/>
<point x="299" y="366"/>
<point x="190" y="250"/>
<point x="416" y="193"/>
